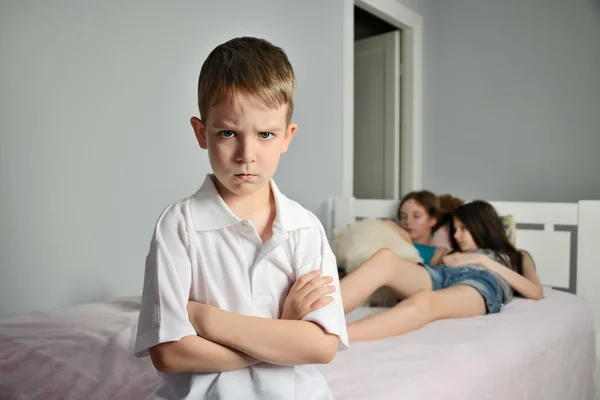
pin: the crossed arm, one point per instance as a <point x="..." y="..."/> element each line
<point x="197" y="354"/>
<point x="284" y="342"/>
<point x="227" y="341"/>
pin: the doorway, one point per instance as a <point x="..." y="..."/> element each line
<point x="377" y="107"/>
<point x="390" y="16"/>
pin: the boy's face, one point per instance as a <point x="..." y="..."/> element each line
<point x="244" y="142"/>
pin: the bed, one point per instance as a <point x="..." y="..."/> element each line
<point x="86" y="351"/>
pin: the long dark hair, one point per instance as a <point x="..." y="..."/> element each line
<point x="486" y="229"/>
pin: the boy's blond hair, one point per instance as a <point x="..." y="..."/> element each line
<point x="249" y="66"/>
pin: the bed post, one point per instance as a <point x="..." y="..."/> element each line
<point x="588" y="273"/>
<point x="342" y="212"/>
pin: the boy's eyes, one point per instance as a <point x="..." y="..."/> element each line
<point x="230" y="134"/>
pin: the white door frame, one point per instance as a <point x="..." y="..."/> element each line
<point x="411" y="25"/>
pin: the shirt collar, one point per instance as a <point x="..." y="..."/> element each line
<point x="209" y="211"/>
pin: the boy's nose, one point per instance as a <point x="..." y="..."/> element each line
<point x="246" y="151"/>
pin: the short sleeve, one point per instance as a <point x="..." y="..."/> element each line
<point x="167" y="279"/>
<point x="331" y="317"/>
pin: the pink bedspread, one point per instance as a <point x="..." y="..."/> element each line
<point x="532" y="350"/>
<point x="84" y="352"/>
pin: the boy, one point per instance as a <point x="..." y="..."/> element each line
<point x="234" y="249"/>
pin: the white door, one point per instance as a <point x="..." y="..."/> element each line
<point x="377" y="117"/>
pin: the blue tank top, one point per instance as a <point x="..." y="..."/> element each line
<point x="426" y="252"/>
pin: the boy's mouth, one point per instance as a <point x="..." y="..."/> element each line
<point x="245" y="176"/>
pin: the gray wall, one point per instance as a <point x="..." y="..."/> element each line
<point x="417" y="6"/>
<point x="512" y="99"/>
<point x="94" y="133"/>
<point x="96" y="98"/>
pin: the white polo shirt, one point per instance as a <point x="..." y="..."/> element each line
<point x="201" y="251"/>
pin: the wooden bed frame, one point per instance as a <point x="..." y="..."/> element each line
<point x="561" y="237"/>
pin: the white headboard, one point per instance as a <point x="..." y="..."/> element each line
<point x="549" y="232"/>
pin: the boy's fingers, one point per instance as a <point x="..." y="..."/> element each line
<point x="304" y="279"/>
<point x="322" y="302"/>
<point x="318" y="293"/>
<point x="314" y="284"/>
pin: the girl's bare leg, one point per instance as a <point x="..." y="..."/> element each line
<point x="458" y="301"/>
<point x="383" y="269"/>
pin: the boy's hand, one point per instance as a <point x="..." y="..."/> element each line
<point x="308" y="293"/>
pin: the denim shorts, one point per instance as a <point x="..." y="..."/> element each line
<point x="482" y="280"/>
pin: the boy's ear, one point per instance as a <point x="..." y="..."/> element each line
<point x="289" y="134"/>
<point x="199" y="131"/>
